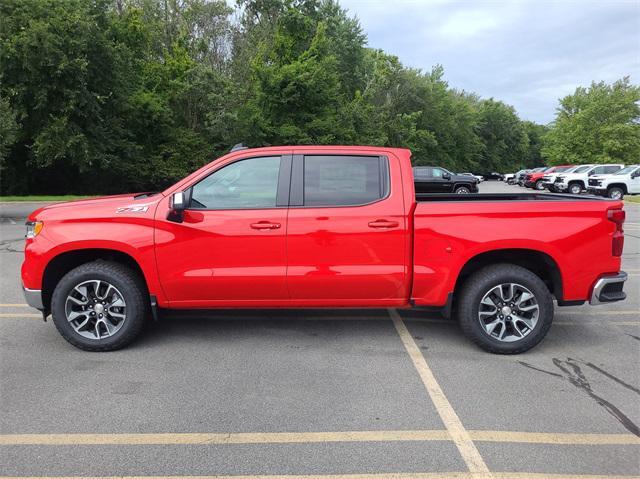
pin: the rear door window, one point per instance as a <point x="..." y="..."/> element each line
<point x="345" y="180"/>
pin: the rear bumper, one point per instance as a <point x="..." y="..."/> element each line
<point x="33" y="298"/>
<point x="608" y="289"/>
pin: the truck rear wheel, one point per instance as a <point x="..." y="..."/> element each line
<point x="505" y="309"/>
<point x="99" y="306"/>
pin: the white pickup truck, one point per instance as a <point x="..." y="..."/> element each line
<point x="549" y="178"/>
<point x="623" y="182"/>
<point x="576" y="181"/>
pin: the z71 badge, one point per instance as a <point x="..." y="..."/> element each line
<point x="133" y="209"/>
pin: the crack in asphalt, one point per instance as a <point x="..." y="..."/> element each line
<point x="574" y="374"/>
<point x="7" y="246"/>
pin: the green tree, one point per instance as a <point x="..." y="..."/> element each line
<point x="8" y="130"/>
<point x="599" y="124"/>
<point x="503" y="136"/>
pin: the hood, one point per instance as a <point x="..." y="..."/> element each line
<point x="103" y="206"/>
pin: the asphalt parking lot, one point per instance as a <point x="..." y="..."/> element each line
<point x="322" y="394"/>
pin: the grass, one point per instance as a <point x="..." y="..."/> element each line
<point x="632" y="199"/>
<point x="42" y="198"/>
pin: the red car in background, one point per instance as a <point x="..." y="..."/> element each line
<point x="534" y="179"/>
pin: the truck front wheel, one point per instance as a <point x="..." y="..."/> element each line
<point x="575" y="188"/>
<point x="505" y="309"/>
<point x="615" y="193"/>
<point x="99" y="306"/>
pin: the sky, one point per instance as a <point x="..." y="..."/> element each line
<point x="526" y="53"/>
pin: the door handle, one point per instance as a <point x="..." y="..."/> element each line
<point x="265" y="225"/>
<point x="383" y="224"/>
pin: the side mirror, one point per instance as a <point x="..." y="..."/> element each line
<point x="177" y="201"/>
<point x="446" y="176"/>
<point x="177" y="205"/>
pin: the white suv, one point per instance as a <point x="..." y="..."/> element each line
<point x="623" y="182"/>
<point x="576" y="181"/>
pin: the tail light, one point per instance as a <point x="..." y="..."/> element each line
<point x="617" y="216"/>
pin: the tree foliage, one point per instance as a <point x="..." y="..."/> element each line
<point x="599" y="124"/>
<point x="103" y="96"/>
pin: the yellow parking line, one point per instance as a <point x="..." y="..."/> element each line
<point x="584" y="323"/>
<point x="389" y="475"/>
<point x="147" y="439"/>
<point x="635" y="312"/>
<point x="576" y="439"/>
<point x="459" y="434"/>
<point x="14" y="305"/>
<point x="20" y="315"/>
<point x="222" y="438"/>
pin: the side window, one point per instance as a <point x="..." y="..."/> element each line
<point x="437" y="172"/>
<point x="611" y="169"/>
<point x="421" y="172"/>
<point x="251" y="183"/>
<point x="598" y="170"/>
<point x="344" y="180"/>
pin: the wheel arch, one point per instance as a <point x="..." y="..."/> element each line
<point x="538" y="262"/>
<point x="64" y="262"/>
<point x="622" y="186"/>
<point x="459" y="184"/>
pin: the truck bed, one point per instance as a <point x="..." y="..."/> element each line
<point x="430" y="197"/>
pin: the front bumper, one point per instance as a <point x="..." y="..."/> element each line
<point x="33" y="298"/>
<point x="608" y="289"/>
<point x="560" y="186"/>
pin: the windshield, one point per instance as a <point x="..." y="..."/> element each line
<point x="627" y="170"/>
<point x="582" y="169"/>
<point x="564" y="168"/>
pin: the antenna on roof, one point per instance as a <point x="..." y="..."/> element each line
<point x="238" y="146"/>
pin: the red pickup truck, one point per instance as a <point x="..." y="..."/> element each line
<point x="320" y="226"/>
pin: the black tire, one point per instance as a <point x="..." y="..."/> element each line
<point x="462" y="190"/>
<point x="126" y="281"/>
<point x="477" y="285"/>
<point x="575" y="188"/>
<point x="615" y="192"/>
<point x="539" y="185"/>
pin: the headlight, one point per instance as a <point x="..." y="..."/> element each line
<point x="33" y="228"/>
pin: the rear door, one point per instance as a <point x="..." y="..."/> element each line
<point x="347" y="231"/>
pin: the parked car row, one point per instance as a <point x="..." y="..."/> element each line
<point x="612" y="180"/>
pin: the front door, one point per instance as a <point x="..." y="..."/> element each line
<point x="347" y="231"/>
<point x="230" y="247"/>
<point x="634" y="182"/>
<point x="440" y="183"/>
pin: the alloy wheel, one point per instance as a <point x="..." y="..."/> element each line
<point x="616" y="194"/>
<point x="508" y="312"/>
<point x="95" y="309"/>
